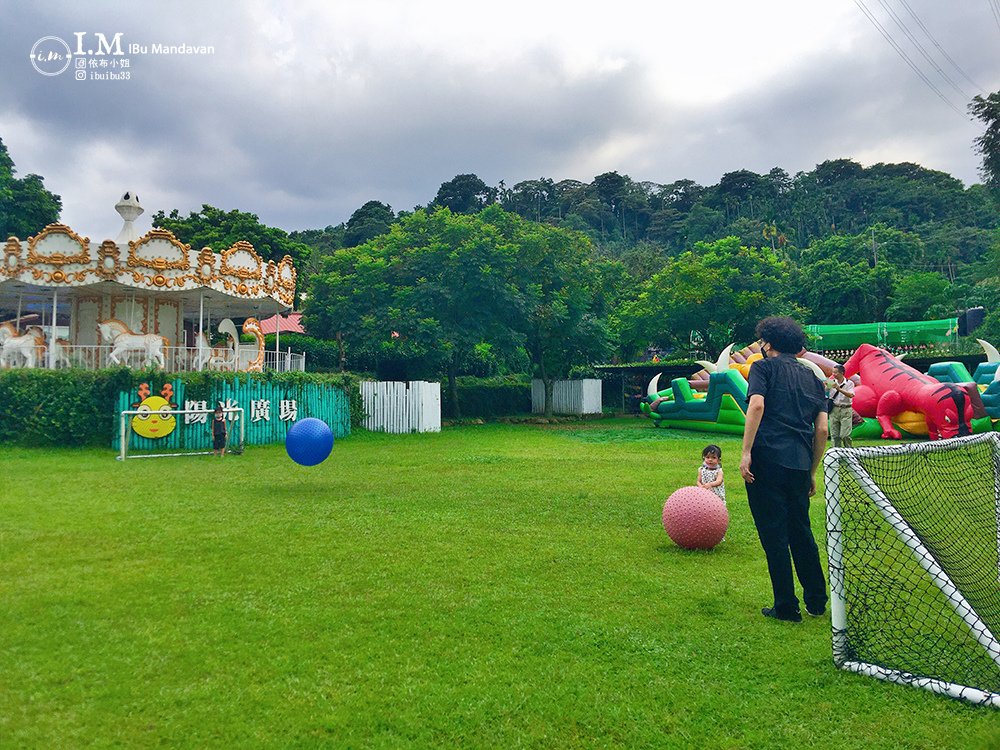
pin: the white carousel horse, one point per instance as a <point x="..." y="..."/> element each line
<point x="124" y="340"/>
<point x="252" y="326"/>
<point x="221" y="357"/>
<point x="30" y="346"/>
<point x="61" y="349"/>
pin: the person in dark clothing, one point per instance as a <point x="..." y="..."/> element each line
<point x="219" y="432"/>
<point x="783" y="443"/>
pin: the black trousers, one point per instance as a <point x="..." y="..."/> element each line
<point x="779" y="502"/>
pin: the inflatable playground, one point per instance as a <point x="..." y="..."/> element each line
<point x="892" y="399"/>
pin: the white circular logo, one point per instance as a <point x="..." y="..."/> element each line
<point x="50" y="55"/>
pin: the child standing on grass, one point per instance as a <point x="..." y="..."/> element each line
<point x="219" y="432"/>
<point x="710" y="472"/>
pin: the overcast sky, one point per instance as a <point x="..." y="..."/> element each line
<point x="304" y="110"/>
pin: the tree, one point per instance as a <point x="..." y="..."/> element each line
<point x="876" y="245"/>
<point x="532" y="199"/>
<point x="920" y="296"/>
<point x="369" y="221"/>
<point x="212" y="227"/>
<point x="738" y="189"/>
<point x="428" y="292"/>
<point x="833" y="171"/>
<point x="987" y="294"/>
<point x="344" y="301"/>
<point x="666" y="226"/>
<point x="558" y="287"/>
<point x="703" y="224"/>
<point x="322" y="244"/>
<point x="988" y="144"/>
<point x="718" y="290"/>
<point x="26" y="207"/>
<point x="682" y="194"/>
<point x="323" y="241"/>
<point x="837" y="291"/>
<point x="465" y="194"/>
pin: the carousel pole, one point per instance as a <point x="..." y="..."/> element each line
<point x="52" y="331"/>
<point x="180" y="342"/>
<point x="17" y="322"/>
<point x="201" y="328"/>
<point x="277" y="337"/>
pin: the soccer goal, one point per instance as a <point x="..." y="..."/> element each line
<point x="185" y="432"/>
<point x="913" y="534"/>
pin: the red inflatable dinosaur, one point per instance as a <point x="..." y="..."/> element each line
<point x="889" y="387"/>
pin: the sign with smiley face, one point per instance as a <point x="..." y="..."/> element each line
<point x="156" y="418"/>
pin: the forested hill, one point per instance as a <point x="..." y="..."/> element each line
<point x="951" y="224"/>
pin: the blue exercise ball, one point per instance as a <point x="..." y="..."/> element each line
<point x="309" y="441"/>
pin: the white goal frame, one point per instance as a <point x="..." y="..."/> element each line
<point x="126" y="415"/>
<point x="850" y="459"/>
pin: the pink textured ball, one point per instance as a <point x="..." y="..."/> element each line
<point x="695" y="518"/>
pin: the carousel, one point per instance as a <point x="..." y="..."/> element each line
<point x="139" y="301"/>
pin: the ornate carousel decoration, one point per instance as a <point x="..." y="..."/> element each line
<point x="138" y="300"/>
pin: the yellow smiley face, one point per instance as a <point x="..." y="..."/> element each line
<point x="155" y="418"/>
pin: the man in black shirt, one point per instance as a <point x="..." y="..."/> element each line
<point x="783" y="443"/>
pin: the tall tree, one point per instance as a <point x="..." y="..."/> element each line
<point x="369" y="221"/>
<point x="920" y="296"/>
<point x="212" y="227"/>
<point x="559" y="289"/>
<point x="345" y="301"/>
<point x="465" y="194"/>
<point x="838" y="291"/>
<point x="26" y="207"/>
<point x="429" y="292"/>
<point x="532" y="199"/>
<point x="718" y="290"/>
<point x="987" y="110"/>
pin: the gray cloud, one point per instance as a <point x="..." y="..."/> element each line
<point x="301" y="128"/>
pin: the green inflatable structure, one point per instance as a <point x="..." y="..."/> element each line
<point x="722" y="408"/>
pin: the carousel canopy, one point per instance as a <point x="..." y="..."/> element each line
<point x="58" y="263"/>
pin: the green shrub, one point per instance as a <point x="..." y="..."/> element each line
<point x="68" y="407"/>
<point x="488" y="397"/>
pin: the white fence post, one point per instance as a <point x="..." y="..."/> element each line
<point x="398" y="407"/>
<point x="577" y="397"/>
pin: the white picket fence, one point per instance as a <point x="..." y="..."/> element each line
<point x="568" y="397"/>
<point x="392" y="406"/>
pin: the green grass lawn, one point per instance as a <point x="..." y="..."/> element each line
<point x="488" y="586"/>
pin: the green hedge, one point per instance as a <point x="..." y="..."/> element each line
<point x="64" y="407"/>
<point x="79" y="407"/>
<point x="322" y="355"/>
<point x="488" y="397"/>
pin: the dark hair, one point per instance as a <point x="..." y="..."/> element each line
<point x="782" y="333"/>
<point x="839" y="368"/>
<point x="712" y="450"/>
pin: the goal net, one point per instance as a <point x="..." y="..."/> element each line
<point x="145" y="433"/>
<point x="913" y="534"/>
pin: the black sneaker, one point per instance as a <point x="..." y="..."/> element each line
<point x="816" y="612"/>
<point x="770" y="612"/>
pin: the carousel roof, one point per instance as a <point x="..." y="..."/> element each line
<point x="236" y="281"/>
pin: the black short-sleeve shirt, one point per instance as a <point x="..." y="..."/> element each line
<point x="793" y="396"/>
